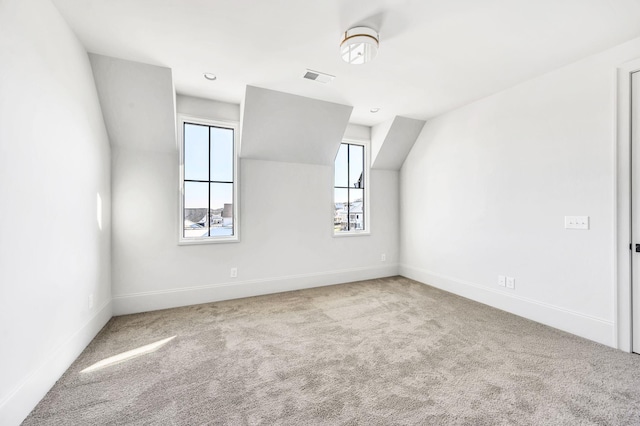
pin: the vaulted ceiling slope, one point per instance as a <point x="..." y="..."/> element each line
<point x="139" y="108"/>
<point x="283" y="127"/>
<point x="434" y="55"/>
<point x="137" y="102"/>
<point x="391" y="142"/>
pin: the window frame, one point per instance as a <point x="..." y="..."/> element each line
<point x="366" y="144"/>
<point x="190" y="119"/>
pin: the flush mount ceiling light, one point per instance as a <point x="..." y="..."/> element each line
<point x="210" y="76"/>
<point x="374" y="110"/>
<point x="359" y="45"/>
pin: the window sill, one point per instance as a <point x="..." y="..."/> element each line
<point x="199" y="241"/>
<point x="352" y="234"/>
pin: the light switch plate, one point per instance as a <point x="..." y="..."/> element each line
<point x="502" y="280"/>
<point x="576" y="222"/>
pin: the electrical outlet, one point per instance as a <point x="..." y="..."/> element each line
<point x="383" y="257"/>
<point x="576" y="222"/>
<point x="502" y="280"/>
<point x="90" y="301"/>
<point x="234" y="272"/>
<point x="511" y="282"/>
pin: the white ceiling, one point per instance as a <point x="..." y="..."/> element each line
<point x="314" y="129"/>
<point x="434" y="55"/>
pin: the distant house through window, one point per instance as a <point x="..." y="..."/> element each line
<point x="350" y="189"/>
<point x="208" y="181"/>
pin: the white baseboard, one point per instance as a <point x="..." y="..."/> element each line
<point x="589" y="327"/>
<point x="173" y="298"/>
<point x="23" y="398"/>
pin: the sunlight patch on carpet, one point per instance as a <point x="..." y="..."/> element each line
<point x="128" y="355"/>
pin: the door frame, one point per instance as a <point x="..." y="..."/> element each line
<point x="623" y="274"/>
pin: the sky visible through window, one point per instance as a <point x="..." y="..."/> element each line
<point x="348" y="175"/>
<point x="348" y="189"/>
<point x="196" y="166"/>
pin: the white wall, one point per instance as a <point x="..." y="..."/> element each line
<point x="486" y="187"/>
<point x="286" y="239"/>
<point x="54" y="160"/>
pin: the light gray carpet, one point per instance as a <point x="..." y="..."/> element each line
<point x="387" y="351"/>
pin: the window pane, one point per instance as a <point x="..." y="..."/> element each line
<point x="356" y="209"/>
<point x="222" y="209"/>
<point x="341" y="166"/>
<point x="221" y="154"/>
<point x="196" y="199"/>
<point x="341" y="201"/>
<point x="356" y="166"/>
<point x="196" y="152"/>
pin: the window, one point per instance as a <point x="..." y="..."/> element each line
<point x="350" y="190"/>
<point x="208" y="202"/>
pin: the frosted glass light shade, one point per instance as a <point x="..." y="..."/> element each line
<point x="359" y="45"/>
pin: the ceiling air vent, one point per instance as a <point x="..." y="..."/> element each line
<point x="318" y="76"/>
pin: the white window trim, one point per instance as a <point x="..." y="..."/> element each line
<point x="185" y="118"/>
<point x="367" y="192"/>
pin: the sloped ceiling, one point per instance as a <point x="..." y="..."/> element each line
<point x="392" y="141"/>
<point x="137" y="102"/>
<point x="277" y="126"/>
<point x="434" y="56"/>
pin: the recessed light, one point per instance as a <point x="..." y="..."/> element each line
<point x="210" y="76"/>
<point x="374" y="110"/>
